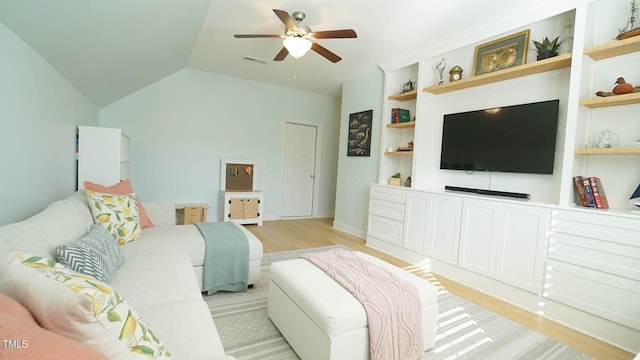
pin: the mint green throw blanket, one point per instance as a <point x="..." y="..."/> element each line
<point x="226" y="259"/>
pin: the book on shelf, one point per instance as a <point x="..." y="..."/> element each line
<point x="580" y="193"/>
<point x="399" y="115"/>
<point x="590" y="192"/>
<point x="587" y="189"/>
<point x="600" y="197"/>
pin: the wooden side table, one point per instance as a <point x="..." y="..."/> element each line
<point x="191" y="213"/>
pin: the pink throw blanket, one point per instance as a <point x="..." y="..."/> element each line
<point x="393" y="306"/>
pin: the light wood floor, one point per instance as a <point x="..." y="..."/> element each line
<point x="286" y="235"/>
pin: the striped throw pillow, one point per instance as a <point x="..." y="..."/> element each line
<point x="96" y="254"/>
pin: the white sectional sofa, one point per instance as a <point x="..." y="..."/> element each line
<point x="161" y="278"/>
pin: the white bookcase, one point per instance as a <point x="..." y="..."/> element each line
<point x="103" y="155"/>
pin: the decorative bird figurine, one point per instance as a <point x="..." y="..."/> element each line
<point x="622" y="87"/>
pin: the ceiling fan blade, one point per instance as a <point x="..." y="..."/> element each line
<point x="325" y="52"/>
<point x="286" y="19"/>
<point x="335" y="34"/>
<point x="281" y="55"/>
<point x="253" y="36"/>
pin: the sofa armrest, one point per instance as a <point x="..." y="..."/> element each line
<point x="161" y="213"/>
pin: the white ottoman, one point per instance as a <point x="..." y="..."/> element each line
<point x="322" y="320"/>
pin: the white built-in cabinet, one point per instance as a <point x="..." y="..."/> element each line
<point x="571" y="264"/>
<point x="433" y="225"/>
<point x="505" y="241"/>
<point x="502" y="240"/>
<point x="576" y="265"/>
<point x="594" y="265"/>
<point x="103" y="155"/>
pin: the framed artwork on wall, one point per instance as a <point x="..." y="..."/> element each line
<point x="359" y="137"/>
<point x="501" y="53"/>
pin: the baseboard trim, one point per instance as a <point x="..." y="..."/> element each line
<point x="359" y="233"/>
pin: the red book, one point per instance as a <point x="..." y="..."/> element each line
<point x="599" y="195"/>
<point x="580" y="193"/>
<point x="587" y="189"/>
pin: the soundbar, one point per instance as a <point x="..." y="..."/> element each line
<point x="489" y="192"/>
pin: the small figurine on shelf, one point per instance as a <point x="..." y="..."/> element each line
<point x="440" y="66"/>
<point x="622" y="87"/>
<point x="408" y="86"/>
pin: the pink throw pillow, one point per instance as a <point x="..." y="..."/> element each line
<point x="24" y="339"/>
<point x="122" y="188"/>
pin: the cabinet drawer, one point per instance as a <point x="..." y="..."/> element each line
<point x="193" y="214"/>
<point x="597" y="242"/>
<point x="612" y="297"/>
<point x="387" y="209"/>
<point x="385" y="229"/>
<point x="386" y="194"/>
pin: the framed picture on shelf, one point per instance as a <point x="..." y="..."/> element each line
<point x="359" y="137"/>
<point x="501" y="53"/>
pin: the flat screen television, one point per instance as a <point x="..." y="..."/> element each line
<point x="516" y="139"/>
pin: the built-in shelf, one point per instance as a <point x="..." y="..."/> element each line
<point x="615" y="100"/>
<point x="616" y="150"/>
<point x="398" y="153"/>
<point x="409" y="95"/>
<point x="554" y="63"/>
<point x="402" y="125"/>
<point x="614" y="49"/>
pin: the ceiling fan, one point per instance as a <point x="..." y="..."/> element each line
<point x="298" y="37"/>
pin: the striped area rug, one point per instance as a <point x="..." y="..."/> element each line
<point x="465" y="330"/>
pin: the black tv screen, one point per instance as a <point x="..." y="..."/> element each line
<point x="516" y="139"/>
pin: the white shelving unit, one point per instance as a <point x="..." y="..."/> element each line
<point x="103" y="155"/>
<point x="398" y="135"/>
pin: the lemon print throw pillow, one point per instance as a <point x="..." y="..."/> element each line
<point x="82" y="308"/>
<point x="117" y="213"/>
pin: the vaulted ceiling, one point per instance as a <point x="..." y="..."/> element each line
<point x="110" y="49"/>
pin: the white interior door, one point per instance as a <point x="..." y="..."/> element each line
<point x="299" y="170"/>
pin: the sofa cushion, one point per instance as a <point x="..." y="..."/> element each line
<point x="150" y="280"/>
<point x="161" y="239"/>
<point x="96" y="254"/>
<point x="186" y="328"/>
<point x="117" y="213"/>
<point x="182" y="238"/>
<point x="121" y="188"/>
<point x="61" y="222"/>
<point x="79" y="307"/>
<point x="26" y="340"/>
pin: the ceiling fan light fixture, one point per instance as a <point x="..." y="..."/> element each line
<point x="297" y="46"/>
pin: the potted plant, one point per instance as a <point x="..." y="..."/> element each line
<point x="395" y="179"/>
<point x="547" y="48"/>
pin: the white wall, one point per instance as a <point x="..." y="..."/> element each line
<point x="355" y="173"/>
<point x="181" y="126"/>
<point x="39" y="112"/>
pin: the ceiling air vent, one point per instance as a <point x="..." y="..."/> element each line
<point x="255" y="59"/>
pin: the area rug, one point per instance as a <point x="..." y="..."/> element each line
<point x="465" y="330"/>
